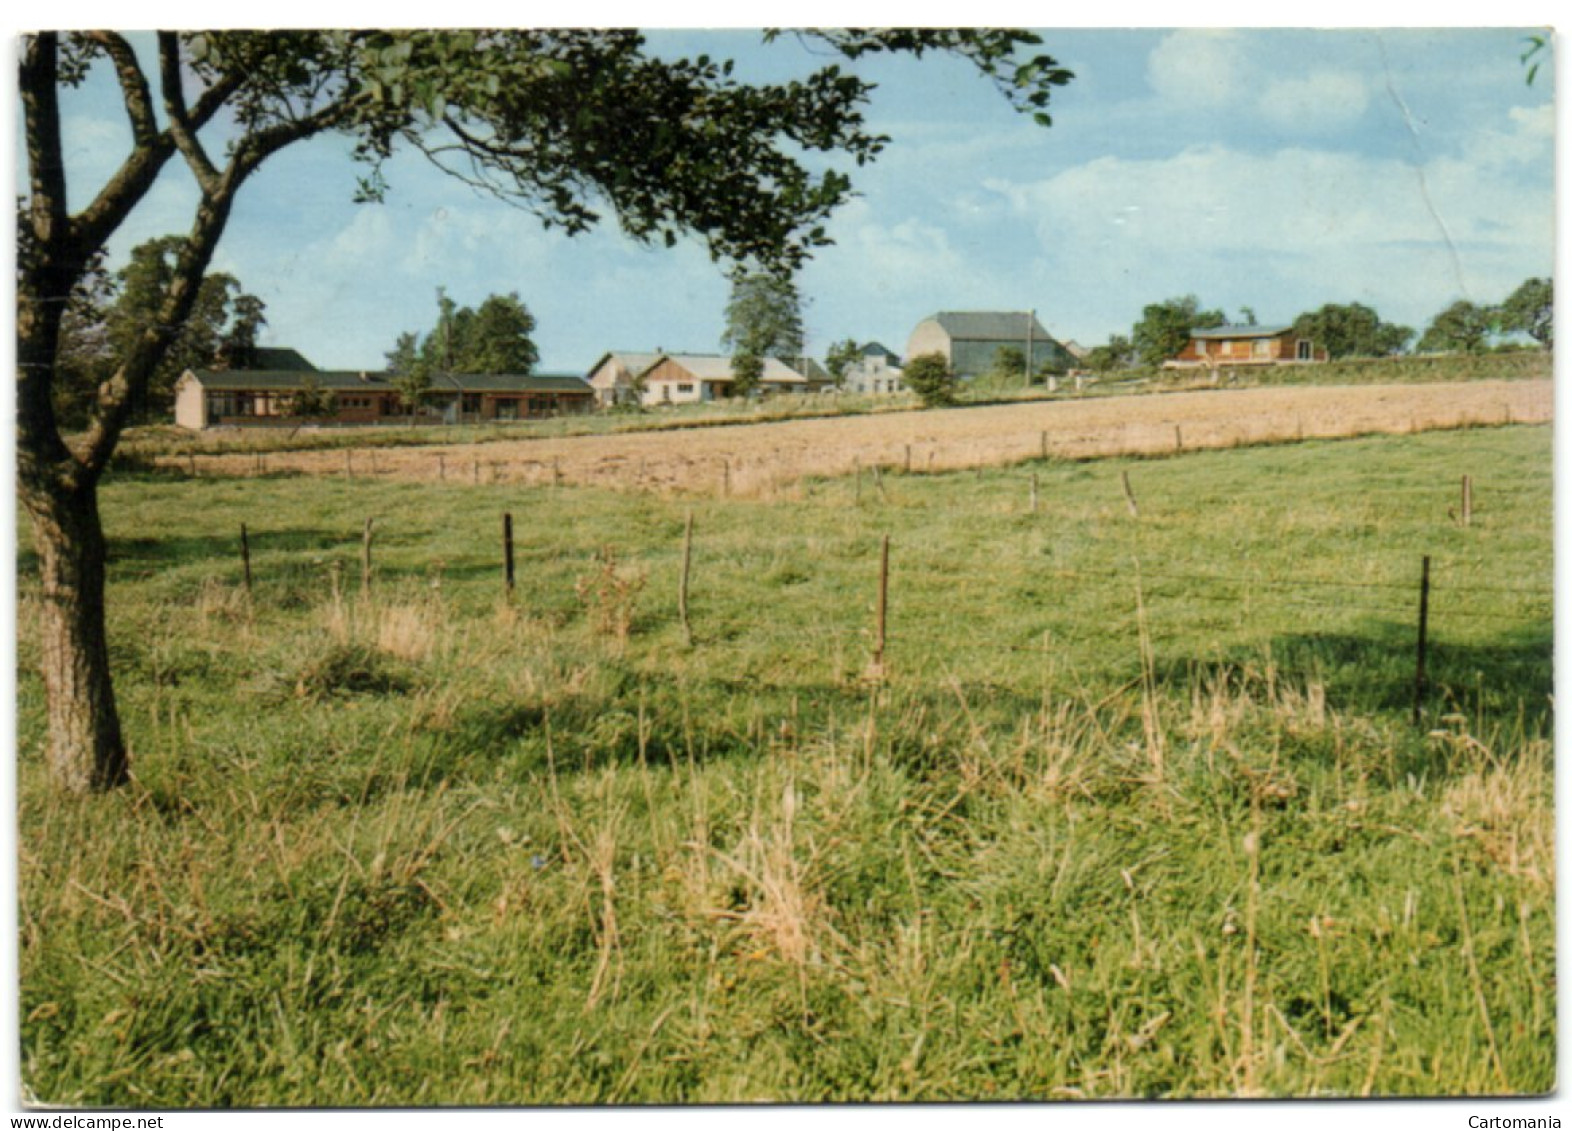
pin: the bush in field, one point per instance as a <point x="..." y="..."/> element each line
<point x="929" y="376"/>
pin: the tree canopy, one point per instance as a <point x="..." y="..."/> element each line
<point x="842" y="356"/>
<point x="1463" y="327"/>
<point x="1352" y="330"/>
<point x="1531" y="310"/>
<point x="763" y="319"/>
<point x="493" y="338"/>
<point x="1164" y="328"/>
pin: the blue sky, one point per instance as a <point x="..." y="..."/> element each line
<point x="1270" y="168"/>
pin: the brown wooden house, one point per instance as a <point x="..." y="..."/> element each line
<point x="1246" y="345"/>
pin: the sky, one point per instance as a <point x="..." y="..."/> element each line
<point x="1273" y="169"/>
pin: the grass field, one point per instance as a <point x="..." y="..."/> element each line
<point x="1137" y="807"/>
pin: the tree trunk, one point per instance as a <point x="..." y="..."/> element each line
<point x="86" y="751"/>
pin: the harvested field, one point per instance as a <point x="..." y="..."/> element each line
<point x="762" y="459"/>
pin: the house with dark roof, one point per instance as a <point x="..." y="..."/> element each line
<point x="971" y="340"/>
<point x="206" y="398"/>
<point x="877" y="371"/>
<point x="1216" y="346"/>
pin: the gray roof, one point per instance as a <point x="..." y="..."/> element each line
<point x="1211" y="332"/>
<point x="717" y="367"/>
<point x="514" y="383"/>
<point x="990" y="325"/>
<point x="282" y="358"/>
<point x="879" y="349"/>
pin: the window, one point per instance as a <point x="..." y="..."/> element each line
<point x="685" y="388"/>
<point x="1262" y="347"/>
<point x="507" y="408"/>
<point x="1302" y="349"/>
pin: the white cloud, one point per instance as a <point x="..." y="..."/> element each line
<point x="1321" y="100"/>
<point x="1282" y="232"/>
<point x="1200" y="68"/>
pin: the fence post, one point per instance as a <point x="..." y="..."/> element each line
<point x="245" y="558"/>
<point x="682" y="581"/>
<point x="1042" y="445"/>
<point x="883" y="608"/>
<point x="365" y="560"/>
<point x="373" y="454"/>
<point x="1129" y="495"/>
<point x="726" y="477"/>
<point x="442" y="467"/>
<point x="556" y="471"/>
<point x="191" y="459"/>
<point x="1034" y="492"/>
<point x="1468" y="500"/>
<point x="1424" y="624"/>
<point x="349" y="467"/>
<point x="908" y="459"/>
<point x="507" y="552"/>
<point x="1178" y="439"/>
<point x="475" y="469"/>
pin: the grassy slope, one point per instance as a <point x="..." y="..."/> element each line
<point x="436" y="849"/>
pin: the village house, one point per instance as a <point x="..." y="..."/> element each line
<point x="626" y="377"/>
<point x="970" y="340"/>
<point x="1246" y="345"/>
<point x="207" y="398"/>
<point x="877" y="372"/>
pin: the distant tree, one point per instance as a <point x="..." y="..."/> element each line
<point x="1164" y="328"/>
<point x="842" y="356"/>
<point x="1531" y="310"/>
<point x="763" y="319"/>
<point x="1352" y="330"/>
<point x="1462" y="327"/>
<point x="220" y="331"/>
<point x="311" y="401"/>
<point x="495" y="338"/>
<point x="929" y="376"/>
<point x="1247" y="316"/>
<point x="1119" y="353"/>
<point x="405" y="354"/>
<point x="1009" y="364"/>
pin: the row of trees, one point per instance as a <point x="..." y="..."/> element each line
<point x="1343" y="329"/>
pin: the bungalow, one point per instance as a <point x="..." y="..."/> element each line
<point x="615" y="377"/>
<point x="262" y="397"/>
<point x="970" y="340"/>
<point x="692" y="378"/>
<point x="1246" y="345"/>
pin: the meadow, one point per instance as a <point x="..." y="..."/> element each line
<point x="1135" y="804"/>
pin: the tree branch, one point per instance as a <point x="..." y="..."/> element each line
<point x="133" y="85"/>
<point x="202" y="168"/>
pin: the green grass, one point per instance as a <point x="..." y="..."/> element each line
<point x="1138" y="809"/>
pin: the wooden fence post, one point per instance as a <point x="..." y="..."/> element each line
<point x="726" y="477"/>
<point x="373" y="454"/>
<point x="908" y="459"/>
<point x="1129" y="495"/>
<point x="365" y="560"/>
<point x="349" y="467"/>
<point x="191" y="458"/>
<point x="1034" y="492"/>
<point x="442" y="468"/>
<point x="1178" y="439"/>
<point x="1468" y="501"/>
<point x="245" y="558"/>
<point x="883" y="608"/>
<point x="507" y="552"/>
<point x="1042" y="445"/>
<point x="1424" y="624"/>
<point x="682" y="580"/>
<point x="475" y="469"/>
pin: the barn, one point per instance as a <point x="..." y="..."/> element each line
<point x="971" y="340"/>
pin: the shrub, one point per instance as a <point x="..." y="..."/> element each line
<point x="929" y="376"/>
